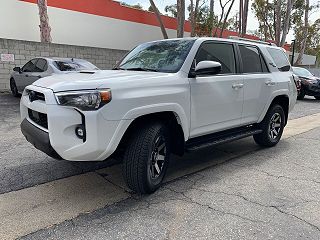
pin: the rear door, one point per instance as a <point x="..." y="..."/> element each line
<point x="258" y="83"/>
<point x="216" y="100"/>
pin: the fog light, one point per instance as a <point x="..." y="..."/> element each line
<point x="80" y="132"/>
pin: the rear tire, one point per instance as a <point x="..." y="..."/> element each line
<point x="13" y="88"/>
<point x="272" y="127"/>
<point x="147" y="157"/>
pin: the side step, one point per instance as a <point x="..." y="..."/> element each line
<point x="220" y="138"/>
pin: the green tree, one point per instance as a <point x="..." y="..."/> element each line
<point x="171" y="10"/>
<point x="137" y="6"/>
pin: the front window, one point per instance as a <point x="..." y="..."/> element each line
<point x="162" y="56"/>
<point x="302" y="72"/>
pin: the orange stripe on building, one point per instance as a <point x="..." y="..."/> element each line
<point x="112" y="9"/>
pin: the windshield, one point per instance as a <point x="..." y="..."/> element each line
<point x="302" y="72"/>
<point x="161" y="56"/>
<point x="74" y="65"/>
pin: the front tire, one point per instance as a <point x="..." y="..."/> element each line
<point x="146" y="158"/>
<point x="301" y="95"/>
<point x="272" y="127"/>
<point x="13" y="88"/>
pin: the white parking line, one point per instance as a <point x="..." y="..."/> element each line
<point x="31" y="209"/>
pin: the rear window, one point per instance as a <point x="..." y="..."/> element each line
<point x="280" y="59"/>
<point x="73" y="65"/>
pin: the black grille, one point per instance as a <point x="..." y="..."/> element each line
<point x="33" y="96"/>
<point x="39" y="118"/>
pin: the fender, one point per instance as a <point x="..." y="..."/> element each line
<point x="161" y="107"/>
<point x="130" y="116"/>
<point x="274" y="94"/>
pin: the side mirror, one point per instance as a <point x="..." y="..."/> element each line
<point x="208" y="68"/>
<point x="17" y="69"/>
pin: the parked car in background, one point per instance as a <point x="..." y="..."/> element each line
<point x="310" y="84"/>
<point x="297" y="81"/>
<point x="43" y="67"/>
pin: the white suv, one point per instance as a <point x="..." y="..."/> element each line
<point x="163" y="97"/>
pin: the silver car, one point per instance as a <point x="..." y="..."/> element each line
<point x="43" y="67"/>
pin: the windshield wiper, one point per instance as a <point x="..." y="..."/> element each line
<point x="141" y="69"/>
<point x="118" y="68"/>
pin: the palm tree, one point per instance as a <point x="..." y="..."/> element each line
<point x="180" y="17"/>
<point x="45" y="30"/>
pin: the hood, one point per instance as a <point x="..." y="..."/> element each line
<point x="93" y="79"/>
<point x="310" y="78"/>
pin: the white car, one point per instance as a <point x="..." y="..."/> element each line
<point x="42" y="67"/>
<point x="164" y="97"/>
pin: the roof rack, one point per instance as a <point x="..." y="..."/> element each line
<point x="251" y="40"/>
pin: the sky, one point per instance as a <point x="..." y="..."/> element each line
<point x="252" y="21"/>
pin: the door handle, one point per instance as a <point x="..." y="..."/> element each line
<point x="270" y="83"/>
<point x="237" y="86"/>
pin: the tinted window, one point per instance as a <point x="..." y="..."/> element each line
<point x="41" y="65"/>
<point x="280" y="59"/>
<point x="251" y="60"/>
<point x="218" y="52"/>
<point x="30" y="66"/>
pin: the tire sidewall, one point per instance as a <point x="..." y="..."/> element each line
<point x="275" y="109"/>
<point x="13" y="87"/>
<point x="154" y="184"/>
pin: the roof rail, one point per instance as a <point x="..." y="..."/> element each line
<point x="251" y="40"/>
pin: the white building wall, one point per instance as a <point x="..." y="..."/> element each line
<point x="20" y="20"/>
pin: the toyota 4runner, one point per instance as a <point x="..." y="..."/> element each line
<point x="163" y="97"/>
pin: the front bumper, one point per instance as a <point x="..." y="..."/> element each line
<point x="311" y="89"/>
<point x="102" y="136"/>
<point x="38" y="138"/>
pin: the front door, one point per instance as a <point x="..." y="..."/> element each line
<point x="216" y="100"/>
<point x="27" y="75"/>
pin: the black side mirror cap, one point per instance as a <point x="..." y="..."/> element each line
<point x="17" y="69"/>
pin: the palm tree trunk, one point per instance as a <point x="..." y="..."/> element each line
<point x="158" y="15"/>
<point x="180" y="18"/>
<point x="45" y="30"/>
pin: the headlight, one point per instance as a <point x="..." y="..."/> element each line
<point x="309" y="81"/>
<point x="84" y="100"/>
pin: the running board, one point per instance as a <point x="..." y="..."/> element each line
<point x="220" y="138"/>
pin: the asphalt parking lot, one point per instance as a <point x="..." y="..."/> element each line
<point x="234" y="191"/>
